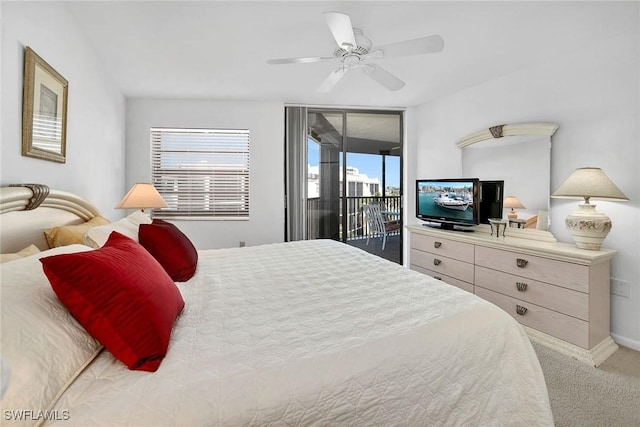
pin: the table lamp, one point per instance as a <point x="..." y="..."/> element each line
<point x="587" y="226"/>
<point x="142" y="196"/>
<point x="513" y="203"/>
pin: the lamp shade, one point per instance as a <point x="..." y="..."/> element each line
<point x="589" y="183"/>
<point x="141" y="196"/>
<point x="512" y="202"/>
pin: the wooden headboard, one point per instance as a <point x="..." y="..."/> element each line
<point x="26" y="210"/>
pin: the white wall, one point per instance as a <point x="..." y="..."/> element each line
<point x="594" y="95"/>
<point x="265" y="121"/>
<point x="95" y="124"/>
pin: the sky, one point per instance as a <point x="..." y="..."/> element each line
<point x="367" y="164"/>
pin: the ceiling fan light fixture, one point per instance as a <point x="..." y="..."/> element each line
<point x="351" y="60"/>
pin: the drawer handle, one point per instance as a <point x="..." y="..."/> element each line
<point x="436" y="261"/>
<point x="522" y="263"/>
<point x="437" y="277"/>
<point x="437" y="244"/>
<point x="521" y="286"/>
<point x="521" y="310"/>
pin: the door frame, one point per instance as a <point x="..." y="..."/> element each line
<point x="343" y="207"/>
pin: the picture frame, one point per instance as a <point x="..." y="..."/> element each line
<point x="44" y="110"/>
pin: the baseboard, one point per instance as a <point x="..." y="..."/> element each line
<point x="593" y="357"/>
<point x="626" y="342"/>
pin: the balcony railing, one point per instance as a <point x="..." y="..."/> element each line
<point x="324" y="220"/>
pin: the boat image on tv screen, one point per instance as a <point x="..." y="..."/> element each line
<point x="446" y="200"/>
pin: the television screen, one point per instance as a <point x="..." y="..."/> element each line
<point x="448" y="202"/>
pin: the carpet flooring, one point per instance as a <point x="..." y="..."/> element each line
<point x="584" y="396"/>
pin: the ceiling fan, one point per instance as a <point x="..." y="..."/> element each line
<point x="356" y="51"/>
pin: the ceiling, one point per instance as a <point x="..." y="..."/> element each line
<point x="218" y="50"/>
<point x="366" y="132"/>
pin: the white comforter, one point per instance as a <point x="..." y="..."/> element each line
<point x="320" y="333"/>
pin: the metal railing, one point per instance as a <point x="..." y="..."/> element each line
<point x="326" y="221"/>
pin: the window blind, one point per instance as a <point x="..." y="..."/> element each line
<point x="201" y="173"/>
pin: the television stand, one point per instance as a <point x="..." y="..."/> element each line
<point x="448" y="227"/>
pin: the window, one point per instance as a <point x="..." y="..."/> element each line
<point x="201" y="173"/>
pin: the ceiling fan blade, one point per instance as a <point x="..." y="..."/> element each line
<point x="383" y="77"/>
<point x="430" y="44"/>
<point x="332" y="79"/>
<point x="299" y="60"/>
<point x="375" y="54"/>
<point x="341" y="28"/>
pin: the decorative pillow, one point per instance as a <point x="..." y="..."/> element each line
<point x="29" y="250"/>
<point x="173" y="250"/>
<point x="71" y="234"/>
<point x="122" y="297"/>
<point x="97" y="236"/>
<point x="42" y="344"/>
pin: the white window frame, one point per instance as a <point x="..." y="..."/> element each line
<point x="203" y="174"/>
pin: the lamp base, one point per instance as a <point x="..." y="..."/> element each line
<point x="512" y="214"/>
<point x="588" y="227"/>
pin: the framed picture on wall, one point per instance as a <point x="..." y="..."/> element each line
<point x="44" y="110"/>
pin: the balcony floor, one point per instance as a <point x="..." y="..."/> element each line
<point x="391" y="250"/>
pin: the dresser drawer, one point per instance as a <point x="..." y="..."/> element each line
<point x="447" y="279"/>
<point x="556" y="298"/>
<point x="443" y="247"/>
<point x="443" y="265"/>
<point x="551" y="322"/>
<point x="565" y="274"/>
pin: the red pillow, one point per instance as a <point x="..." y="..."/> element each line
<point x="121" y="296"/>
<point x="173" y="250"/>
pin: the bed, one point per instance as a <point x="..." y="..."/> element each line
<point x="299" y="333"/>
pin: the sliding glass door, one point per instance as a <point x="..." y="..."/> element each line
<point x="324" y="154"/>
<point x="353" y="158"/>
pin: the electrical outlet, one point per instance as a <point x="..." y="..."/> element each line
<point x="620" y="288"/>
<point x="242" y="244"/>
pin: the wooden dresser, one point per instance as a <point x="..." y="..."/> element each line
<point x="559" y="293"/>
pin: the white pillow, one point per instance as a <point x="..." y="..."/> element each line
<point x="96" y="237"/>
<point x="29" y="250"/>
<point x="45" y="347"/>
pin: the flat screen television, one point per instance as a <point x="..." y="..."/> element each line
<point x="448" y="203"/>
